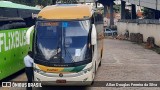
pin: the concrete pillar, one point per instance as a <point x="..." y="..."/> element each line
<point x="105" y="10"/>
<point x="111" y="14"/>
<point x="123" y="9"/>
<point x="133" y="11"/>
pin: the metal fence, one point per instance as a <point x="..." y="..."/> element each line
<point x="141" y="21"/>
<point x="154" y="4"/>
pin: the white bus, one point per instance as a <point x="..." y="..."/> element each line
<point x="67" y="44"/>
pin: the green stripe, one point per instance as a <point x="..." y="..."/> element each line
<point x="74" y="69"/>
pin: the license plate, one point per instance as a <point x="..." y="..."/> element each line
<point x="61" y="81"/>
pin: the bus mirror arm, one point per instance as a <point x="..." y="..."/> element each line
<point x="93" y="35"/>
<point x="28" y="34"/>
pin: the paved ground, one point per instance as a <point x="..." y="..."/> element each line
<point x="125" y="61"/>
<point x="122" y="61"/>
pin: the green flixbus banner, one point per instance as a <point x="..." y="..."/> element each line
<point x="13" y="48"/>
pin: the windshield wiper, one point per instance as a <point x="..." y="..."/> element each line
<point x="57" y="47"/>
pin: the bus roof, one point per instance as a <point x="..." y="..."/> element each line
<point x="66" y="11"/>
<point x="8" y="4"/>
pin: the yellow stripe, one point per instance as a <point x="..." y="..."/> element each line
<point x="50" y="69"/>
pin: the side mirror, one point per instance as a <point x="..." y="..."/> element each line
<point x="28" y="34"/>
<point x="93" y="35"/>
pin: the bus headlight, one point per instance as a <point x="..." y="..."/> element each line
<point x="85" y="70"/>
<point x="39" y="71"/>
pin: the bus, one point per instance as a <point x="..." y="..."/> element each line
<point x="67" y="44"/>
<point x="14" y="22"/>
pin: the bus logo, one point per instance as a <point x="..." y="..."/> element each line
<point x="60" y="75"/>
<point x="52" y="69"/>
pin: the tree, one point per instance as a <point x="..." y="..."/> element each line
<point x="42" y="2"/>
<point x="33" y="2"/>
<point x="117" y="8"/>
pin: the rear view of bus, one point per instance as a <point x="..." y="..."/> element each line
<point x="65" y="45"/>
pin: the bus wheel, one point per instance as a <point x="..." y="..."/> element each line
<point x="100" y="63"/>
<point x="94" y="73"/>
<point x="92" y="82"/>
<point x="101" y="58"/>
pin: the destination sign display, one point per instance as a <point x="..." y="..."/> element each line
<point x="49" y="24"/>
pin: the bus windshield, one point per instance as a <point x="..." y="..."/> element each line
<point x="62" y="41"/>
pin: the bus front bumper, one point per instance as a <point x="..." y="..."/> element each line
<point x="84" y="79"/>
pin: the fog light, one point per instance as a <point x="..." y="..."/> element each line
<point x="38" y="79"/>
<point x="85" y="79"/>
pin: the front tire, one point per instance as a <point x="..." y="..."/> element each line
<point x="101" y="58"/>
<point x="100" y="63"/>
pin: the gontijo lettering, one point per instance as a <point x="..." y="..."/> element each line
<point x="11" y="40"/>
